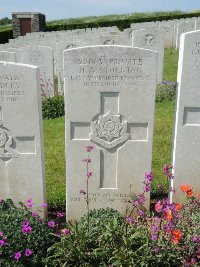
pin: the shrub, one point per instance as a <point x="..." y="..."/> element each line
<point x="24" y="236"/>
<point x="53" y="107"/>
<point x="166" y="91"/>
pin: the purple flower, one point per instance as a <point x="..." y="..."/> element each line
<point x="129" y="220"/>
<point x="26" y="229"/>
<point x="154" y="237"/>
<point x="51" y="224"/>
<point x="156" y="219"/>
<point x="25" y="223"/>
<point x="28" y="252"/>
<point x="154" y="228"/>
<point x="60" y="214"/>
<point x="34" y="214"/>
<point x="166" y="169"/>
<point x="196" y="239"/>
<point x="193" y="260"/>
<point x="1" y="233"/>
<point x="29" y="203"/>
<point x="160" y="186"/>
<point x="156" y="250"/>
<point x="149" y="176"/>
<point x="89" y="174"/>
<point x="67" y="232"/>
<point x="141" y="212"/>
<point x="44" y="205"/>
<point x="2" y="243"/>
<point x="89" y="148"/>
<point x="17" y="255"/>
<point x="41" y="220"/>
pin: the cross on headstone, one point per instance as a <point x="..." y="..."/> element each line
<point x="110" y="131"/>
<point x="11" y="148"/>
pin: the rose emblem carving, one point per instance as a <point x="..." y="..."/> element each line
<point x="109" y="130"/>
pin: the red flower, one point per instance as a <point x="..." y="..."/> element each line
<point x="185" y="188"/>
<point x="178" y="207"/>
<point x="176" y="236"/>
<point x="189" y="193"/>
<point x="168" y="215"/>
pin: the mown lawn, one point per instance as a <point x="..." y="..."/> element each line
<point x="163" y="131"/>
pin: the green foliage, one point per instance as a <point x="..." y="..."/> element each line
<point x="53" y="107"/>
<point x="122" y="24"/>
<point x="5" y="35"/>
<point x="11" y="224"/>
<point x="5" y="21"/>
<point x="166" y="91"/>
<point x="135" y="240"/>
<point x="170" y="65"/>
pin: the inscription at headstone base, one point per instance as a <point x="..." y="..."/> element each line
<point x="109" y="100"/>
<point x="21" y="143"/>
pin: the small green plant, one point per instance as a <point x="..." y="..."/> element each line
<point x="166" y="91"/>
<point x="24" y="236"/>
<point x="53" y="107"/>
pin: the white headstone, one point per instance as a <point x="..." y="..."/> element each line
<point x="183" y="27"/>
<point x="21" y="140"/>
<point x="106" y="90"/>
<point x="151" y="39"/>
<point x="42" y="57"/>
<point x="186" y="148"/>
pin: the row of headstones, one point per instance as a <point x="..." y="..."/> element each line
<point x="110" y="106"/>
<point x="50" y="57"/>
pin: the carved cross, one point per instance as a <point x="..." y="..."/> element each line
<point x="110" y="131"/>
<point x="11" y="148"/>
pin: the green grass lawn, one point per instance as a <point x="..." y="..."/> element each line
<point x="162" y="145"/>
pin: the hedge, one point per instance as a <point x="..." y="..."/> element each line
<point x="5" y="35"/>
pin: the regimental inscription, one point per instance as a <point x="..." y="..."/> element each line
<point x="70" y="46"/>
<point x="196" y="52"/>
<point x="110" y="72"/>
<point x="149" y="39"/>
<point x="109" y="130"/>
<point x="37" y="57"/>
<point x="109" y="42"/>
<point x="10" y="88"/>
<point x="6" y="142"/>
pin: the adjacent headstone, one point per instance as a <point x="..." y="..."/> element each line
<point x="183" y="27"/>
<point x="42" y="57"/>
<point x="151" y="39"/>
<point x="106" y="90"/>
<point x="186" y="148"/>
<point x="60" y="47"/>
<point x="21" y="138"/>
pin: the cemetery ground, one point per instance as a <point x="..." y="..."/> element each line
<point x="163" y="131"/>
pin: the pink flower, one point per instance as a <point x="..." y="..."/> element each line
<point x="2" y="243"/>
<point x="158" y="206"/>
<point x="129" y="220"/>
<point x="29" y="203"/>
<point x="44" y="205"/>
<point x="26" y="229"/>
<point x="1" y="233"/>
<point x="67" y="232"/>
<point x="25" y="223"/>
<point x="17" y="255"/>
<point x="89" y="148"/>
<point x="41" y="220"/>
<point x="34" y="214"/>
<point x="89" y="174"/>
<point x="51" y="224"/>
<point x="87" y="160"/>
<point x="60" y="214"/>
<point x="28" y="252"/>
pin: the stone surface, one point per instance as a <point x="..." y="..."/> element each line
<point x="7" y="56"/>
<point x="42" y="57"/>
<point x="151" y="39"/>
<point x="21" y="136"/>
<point x="183" y="27"/>
<point x="109" y="101"/>
<point x="186" y="148"/>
